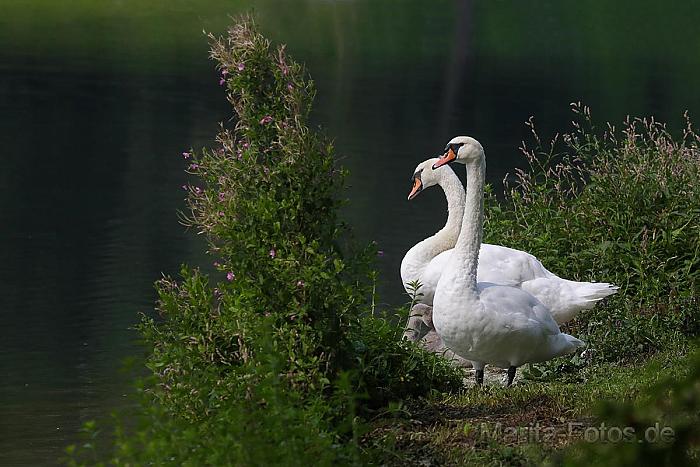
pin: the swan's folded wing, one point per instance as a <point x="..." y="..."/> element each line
<point x="544" y="317"/>
<point x="519" y="309"/>
<point x="508" y="266"/>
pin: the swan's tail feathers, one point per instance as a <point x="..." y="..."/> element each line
<point x="573" y="342"/>
<point x="565" y="344"/>
<point x="593" y="292"/>
<point x="579" y="296"/>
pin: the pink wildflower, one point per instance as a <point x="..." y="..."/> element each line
<point x="230" y="276"/>
<point x="265" y="120"/>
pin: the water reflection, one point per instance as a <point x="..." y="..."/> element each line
<point x="94" y="180"/>
<point x="95" y="112"/>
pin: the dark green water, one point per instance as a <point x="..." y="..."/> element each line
<point x="98" y="100"/>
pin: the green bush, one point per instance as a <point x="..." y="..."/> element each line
<point x="392" y="369"/>
<point x="277" y="361"/>
<point x="269" y="207"/>
<point x="619" y="206"/>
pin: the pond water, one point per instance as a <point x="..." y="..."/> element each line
<point x="98" y="100"/>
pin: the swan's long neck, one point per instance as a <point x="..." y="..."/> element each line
<point x="418" y="257"/>
<point x="466" y="252"/>
<point x="454" y="192"/>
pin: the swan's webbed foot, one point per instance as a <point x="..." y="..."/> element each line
<point x="479" y="377"/>
<point x="511" y="375"/>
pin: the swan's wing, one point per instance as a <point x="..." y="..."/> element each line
<point x="544" y="317"/>
<point x="497" y="265"/>
<point x="432" y="273"/>
<point x="505" y="265"/>
<point x="481" y="286"/>
<point x="519" y="309"/>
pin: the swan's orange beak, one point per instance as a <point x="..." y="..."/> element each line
<point x="446" y="158"/>
<point x="417" y="188"/>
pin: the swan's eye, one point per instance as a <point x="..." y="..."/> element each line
<point x="416" y="175"/>
<point x="454" y="146"/>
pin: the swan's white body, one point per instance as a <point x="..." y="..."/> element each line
<point x="486" y="323"/>
<point x="427" y="260"/>
<point x="420" y="329"/>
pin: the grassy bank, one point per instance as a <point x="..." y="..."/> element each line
<point x="528" y="424"/>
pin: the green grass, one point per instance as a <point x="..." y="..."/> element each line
<point x="447" y="429"/>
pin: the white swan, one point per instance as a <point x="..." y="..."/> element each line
<point x="487" y="323"/>
<point x="426" y="260"/>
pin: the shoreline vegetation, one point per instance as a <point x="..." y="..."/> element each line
<point x="282" y="359"/>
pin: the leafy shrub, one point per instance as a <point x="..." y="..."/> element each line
<point x="620" y="207"/>
<point x="393" y="369"/>
<point x="265" y="425"/>
<point x="275" y="362"/>
<point x="623" y="206"/>
<point x="270" y="209"/>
